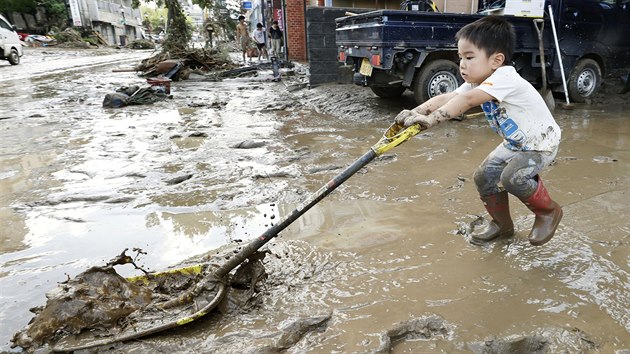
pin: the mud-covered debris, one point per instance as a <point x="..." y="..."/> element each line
<point x="141" y="44"/>
<point x="198" y="135"/>
<point x="419" y="328"/>
<point x="99" y="307"/>
<point x="196" y="59"/>
<point x="95" y="299"/>
<point x="249" y="144"/>
<point x="276" y="174"/>
<point x="295" y="330"/>
<point x="604" y="159"/>
<point x="535" y="344"/>
<point x="318" y="169"/>
<point x="547" y="340"/>
<point x="179" y="179"/>
<point x="250" y="272"/>
<point x="290" y="333"/>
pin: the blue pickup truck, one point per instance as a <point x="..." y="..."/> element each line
<point x="397" y="50"/>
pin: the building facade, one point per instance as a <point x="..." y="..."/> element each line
<point x="115" y="20"/>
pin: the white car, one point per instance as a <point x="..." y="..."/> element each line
<point x="10" y="45"/>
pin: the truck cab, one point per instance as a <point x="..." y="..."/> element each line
<point x="392" y="51"/>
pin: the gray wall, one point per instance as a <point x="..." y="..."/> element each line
<point x="322" y="50"/>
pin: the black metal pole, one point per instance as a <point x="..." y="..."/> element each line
<point x="254" y="245"/>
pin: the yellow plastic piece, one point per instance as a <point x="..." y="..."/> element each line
<point x="196" y="269"/>
<point x="395" y="135"/>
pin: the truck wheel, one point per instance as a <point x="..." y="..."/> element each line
<point x="14" y="58"/>
<point x="437" y="77"/>
<point x="388" y="92"/>
<point x="584" y="80"/>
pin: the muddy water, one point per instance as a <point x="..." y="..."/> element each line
<point x="79" y="183"/>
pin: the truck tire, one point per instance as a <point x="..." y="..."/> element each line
<point x="437" y="77"/>
<point x="14" y="57"/>
<point x="584" y="81"/>
<point x="388" y="92"/>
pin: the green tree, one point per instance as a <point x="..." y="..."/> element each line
<point x="56" y="11"/>
<point x="178" y="30"/>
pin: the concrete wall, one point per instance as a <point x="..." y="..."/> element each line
<point x="322" y="49"/>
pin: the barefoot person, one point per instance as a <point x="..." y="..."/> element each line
<point x="242" y="36"/>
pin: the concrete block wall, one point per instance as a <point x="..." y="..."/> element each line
<point x="322" y="49"/>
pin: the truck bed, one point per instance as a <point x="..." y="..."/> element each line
<point x="427" y="31"/>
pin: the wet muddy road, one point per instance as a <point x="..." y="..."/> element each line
<point x="363" y="271"/>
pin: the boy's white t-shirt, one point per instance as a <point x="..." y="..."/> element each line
<point x="518" y="113"/>
<point x="259" y="36"/>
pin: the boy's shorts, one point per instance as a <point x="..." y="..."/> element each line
<point x="260" y="45"/>
<point x="244" y="43"/>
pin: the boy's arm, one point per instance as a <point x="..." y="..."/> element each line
<point x="434" y="103"/>
<point x="454" y="107"/>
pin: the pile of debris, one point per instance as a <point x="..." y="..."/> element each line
<point x="141" y="44"/>
<point x="71" y="38"/>
<point x="198" y="59"/>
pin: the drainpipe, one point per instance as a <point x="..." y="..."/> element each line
<point x="283" y="7"/>
<point x="305" y="33"/>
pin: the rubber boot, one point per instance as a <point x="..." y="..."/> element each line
<point x="548" y="214"/>
<point x="501" y="225"/>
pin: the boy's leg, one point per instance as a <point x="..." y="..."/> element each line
<point x="520" y="177"/>
<point x="495" y="200"/>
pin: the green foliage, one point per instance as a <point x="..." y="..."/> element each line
<point x="25" y="6"/>
<point x="53" y="7"/>
<point x="179" y="29"/>
<point x="219" y="17"/>
<point x="178" y="34"/>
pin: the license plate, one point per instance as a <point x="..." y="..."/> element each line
<point x="366" y="67"/>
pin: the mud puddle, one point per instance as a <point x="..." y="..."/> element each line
<point x="383" y="263"/>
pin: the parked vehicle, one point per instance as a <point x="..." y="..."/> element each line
<point x="10" y="45"/>
<point x="395" y="50"/>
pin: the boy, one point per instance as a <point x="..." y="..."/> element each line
<point x="275" y="34"/>
<point x="259" y="38"/>
<point x="242" y="37"/>
<point x="516" y="112"/>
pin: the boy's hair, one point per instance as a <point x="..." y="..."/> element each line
<point x="241" y="17"/>
<point x="259" y="25"/>
<point x="275" y="22"/>
<point x="491" y="34"/>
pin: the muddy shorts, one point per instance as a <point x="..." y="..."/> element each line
<point x="244" y="43"/>
<point x="515" y="170"/>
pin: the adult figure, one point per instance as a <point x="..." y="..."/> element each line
<point x="242" y="35"/>
<point x="276" y="36"/>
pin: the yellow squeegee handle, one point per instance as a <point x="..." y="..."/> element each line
<point x="395" y="135"/>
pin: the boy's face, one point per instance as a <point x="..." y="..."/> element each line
<point x="475" y="65"/>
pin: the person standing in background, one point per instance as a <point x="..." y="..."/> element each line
<point x="275" y="34"/>
<point x="259" y="38"/>
<point x="242" y="35"/>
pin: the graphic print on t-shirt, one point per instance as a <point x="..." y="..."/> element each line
<point x="504" y="125"/>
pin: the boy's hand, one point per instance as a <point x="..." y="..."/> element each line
<point x="409" y="118"/>
<point x="403" y="115"/>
